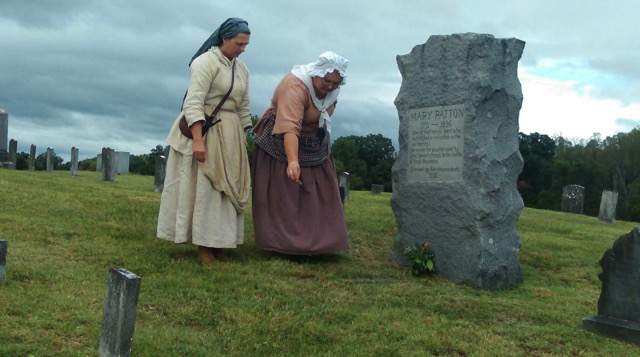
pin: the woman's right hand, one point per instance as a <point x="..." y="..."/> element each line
<point x="199" y="151"/>
<point x="293" y="171"/>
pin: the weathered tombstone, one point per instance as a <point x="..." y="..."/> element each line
<point x="4" y="129"/>
<point x="572" y="199"/>
<point x="109" y="166"/>
<point x="343" y="183"/>
<point x="32" y="158"/>
<point x="120" y="161"/>
<point x="160" y="172"/>
<point x="120" y="303"/>
<point x="13" y="154"/>
<point x="4" y="136"/>
<point x="619" y="302"/>
<point x="3" y="261"/>
<point x="454" y="181"/>
<point x="376" y="189"/>
<point x="49" y="159"/>
<point x="74" y="161"/>
<point x="608" y="205"/>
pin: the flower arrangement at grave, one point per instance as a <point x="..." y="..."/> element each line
<point x="421" y="258"/>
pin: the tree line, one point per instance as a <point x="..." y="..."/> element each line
<point x="597" y="164"/>
<point x="550" y="164"/>
<point x="367" y="159"/>
<point x="138" y="164"/>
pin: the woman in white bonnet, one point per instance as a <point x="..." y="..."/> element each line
<point x="295" y="199"/>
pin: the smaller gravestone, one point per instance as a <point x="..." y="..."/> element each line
<point x="32" y="158"/>
<point x="608" y="205"/>
<point x="161" y="171"/>
<point x="109" y="165"/>
<point x="13" y="153"/>
<point x="343" y="183"/>
<point x="120" y="303"/>
<point x="619" y="303"/>
<point x="573" y="199"/>
<point x="49" y="159"/>
<point x="74" y="161"/>
<point x="120" y="161"/>
<point x="376" y="189"/>
<point x="4" y="129"/>
<point x="4" y="135"/>
<point x="3" y="261"/>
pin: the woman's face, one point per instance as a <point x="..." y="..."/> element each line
<point x="327" y="84"/>
<point x="234" y="46"/>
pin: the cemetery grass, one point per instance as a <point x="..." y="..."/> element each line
<point x="64" y="233"/>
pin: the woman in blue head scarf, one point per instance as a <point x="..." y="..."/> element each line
<point x="207" y="182"/>
<point x="227" y="31"/>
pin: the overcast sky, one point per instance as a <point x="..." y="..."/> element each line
<point x="112" y="73"/>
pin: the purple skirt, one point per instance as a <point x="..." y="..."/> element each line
<point x="297" y="219"/>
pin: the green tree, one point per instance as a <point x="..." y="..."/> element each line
<point x="41" y="161"/>
<point x="367" y="159"/>
<point x="621" y="158"/>
<point x="538" y="152"/>
<point x="88" y="164"/>
<point x="22" y="161"/>
<point x="145" y="164"/>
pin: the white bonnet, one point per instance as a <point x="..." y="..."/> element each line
<point x="328" y="62"/>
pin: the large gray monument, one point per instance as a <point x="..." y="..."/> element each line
<point x="454" y="181"/>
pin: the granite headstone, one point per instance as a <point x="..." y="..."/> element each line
<point x="120" y="161"/>
<point x="3" y="261"/>
<point x="13" y="154"/>
<point x="74" y="161"/>
<point x="454" y="181"/>
<point x="119" y="319"/>
<point x="619" y="302"/>
<point x="160" y="173"/>
<point x="343" y="182"/>
<point x="50" y="159"/>
<point x="32" y="158"/>
<point x="608" y="205"/>
<point x="4" y="137"/>
<point x="572" y="199"/>
<point x="109" y="165"/>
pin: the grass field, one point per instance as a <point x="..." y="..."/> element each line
<point x="64" y="233"/>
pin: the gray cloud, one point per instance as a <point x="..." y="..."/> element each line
<point x="113" y="73"/>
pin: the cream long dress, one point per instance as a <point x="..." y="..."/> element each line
<point x="205" y="202"/>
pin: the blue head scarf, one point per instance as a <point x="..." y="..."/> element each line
<point x="228" y="29"/>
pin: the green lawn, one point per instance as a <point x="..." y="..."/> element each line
<point x="64" y="233"/>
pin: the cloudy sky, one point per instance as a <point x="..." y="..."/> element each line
<point x="112" y="73"/>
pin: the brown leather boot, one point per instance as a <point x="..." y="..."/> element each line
<point x="205" y="255"/>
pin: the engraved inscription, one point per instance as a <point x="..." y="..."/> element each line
<point x="436" y="143"/>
